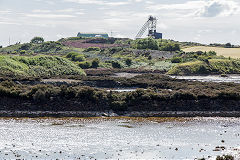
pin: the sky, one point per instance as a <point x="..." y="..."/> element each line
<point x="204" y="21"/>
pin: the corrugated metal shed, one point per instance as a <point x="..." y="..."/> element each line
<point x="104" y="35"/>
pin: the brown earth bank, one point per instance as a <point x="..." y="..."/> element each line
<point x="164" y="114"/>
<point x="76" y="104"/>
<point x="156" y="93"/>
<point x="108" y="72"/>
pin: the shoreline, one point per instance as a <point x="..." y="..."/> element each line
<point x="60" y="114"/>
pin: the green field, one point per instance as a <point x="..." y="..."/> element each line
<point x="226" y="52"/>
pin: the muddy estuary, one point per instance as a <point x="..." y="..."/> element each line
<point x="119" y="138"/>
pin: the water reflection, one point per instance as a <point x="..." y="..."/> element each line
<point x="100" y="138"/>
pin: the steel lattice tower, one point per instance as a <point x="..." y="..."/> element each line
<point x="151" y="25"/>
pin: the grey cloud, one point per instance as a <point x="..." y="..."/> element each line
<point x="213" y="10"/>
<point x="218" y="8"/>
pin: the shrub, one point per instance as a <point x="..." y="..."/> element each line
<point x="39" y="96"/>
<point x="92" y="49"/>
<point x="184" y="95"/>
<point x="212" y="53"/>
<point x="25" y="46"/>
<point x="74" y="56"/>
<point x="85" y="65"/>
<point x="202" y="69"/>
<point x="204" y="58"/>
<point x="115" y="50"/>
<point x="50" y="46"/>
<point x="37" y="40"/>
<point x="71" y="54"/>
<point x="225" y="157"/>
<point x="22" y="51"/>
<point x="128" y="62"/>
<point x="228" y="45"/>
<point x="79" y="58"/>
<point x="147" y="43"/>
<point x="176" y="60"/>
<point x="95" y="63"/>
<point x="116" y="64"/>
<point x="169" y="46"/>
<point x="149" y="57"/>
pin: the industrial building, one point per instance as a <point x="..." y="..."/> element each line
<point x="103" y="35"/>
<point x="151" y="26"/>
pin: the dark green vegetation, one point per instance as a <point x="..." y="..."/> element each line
<point x="153" y="44"/>
<point x="37" y="40"/>
<point x="227" y="45"/>
<point x="158" y="93"/>
<point x="225" y="157"/>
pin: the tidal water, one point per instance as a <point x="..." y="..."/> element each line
<point x="119" y="138"/>
<point x="211" y="78"/>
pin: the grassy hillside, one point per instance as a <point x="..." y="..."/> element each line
<point x="50" y="47"/>
<point x="217" y="66"/>
<point x="227" y="52"/>
<point x="37" y="66"/>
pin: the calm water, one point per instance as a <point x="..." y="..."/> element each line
<point x="117" y="138"/>
<point x="211" y="78"/>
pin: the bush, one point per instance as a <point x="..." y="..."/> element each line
<point x="37" y="40"/>
<point x="50" y="46"/>
<point x="228" y="45"/>
<point x="95" y="63"/>
<point x="71" y="54"/>
<point x="212" y="53"/>
<point x="147" y="43"/>
<point x="116" y="64"/>
<point x="176" y="60"/>
<point x="85" y="65"/>
<point x="79" y="58"/>
<point x="149" y="57"/>
<point x="169" y="46"/>
<point x="39" y="96"/>
<point x="92" y="49"/>
<point x="22" y="51"/>
<point x="204" y="58"/>
<point x="225" y="157"/>
<point x="25" y="46"/>
<point x="128" y="62"/>
<point x="115" y="49"/>
<point x="74" y="56"/>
